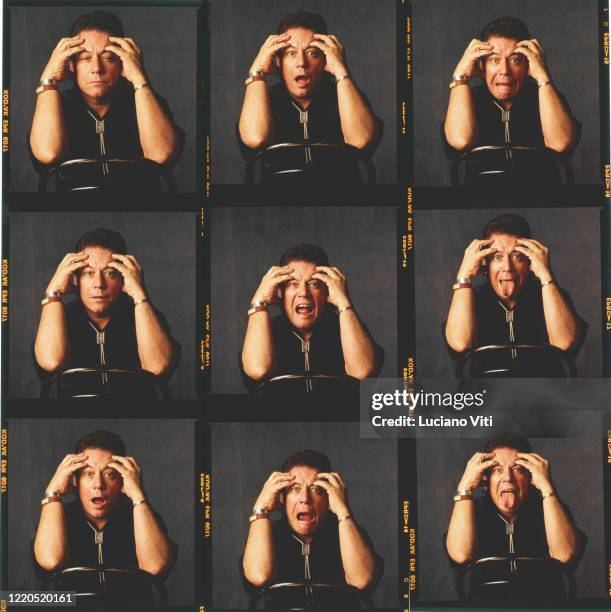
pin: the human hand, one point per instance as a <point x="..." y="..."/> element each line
<point x="62" y="481"/>
<point x="133" y="276"/>
<point x="132" y="476"/>
<point x="469" y="64"/>
<point x="268" y="287"/>
<point x="475" y="470"/>
<point x="131" y="58"/>
<point x="540" y="471"/>
<point x="336" y="285"/>
<point x="265" y="60"/>
<point x="335" y="487"/>
<point x="61" y="282"/>
<point x="474" y="256"/>
<point x="334" y="54"/>
<point x="535" y="55"/>
<point x="538" y="254"/>
<point x="57" y="67"/>
<point x="268" y="498"/>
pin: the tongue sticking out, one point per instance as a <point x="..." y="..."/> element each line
<point x="507" y="287"/>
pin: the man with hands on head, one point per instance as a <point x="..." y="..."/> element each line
<point x="517" y="103"/>
<point x="521" y="514"/>
<point x="112" y="110"/>
<point x="521" y="301"/>
<point x="112" y="324"/>
<point x="316" y="523"/>
<point x="111" y="521"/>
<point x="317" y="99"/>
<point x="308" y="336"/>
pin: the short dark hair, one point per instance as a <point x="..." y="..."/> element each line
<point x="514" y="225"/>
<point x="98" y="20"/>
<point x="305" y="252"/>
<point x="508" y="440"/>
<point x="308" y="458"/>
<point x="104" y="440"/>
<point x="506" y="27"/>
<point x="102" y="237"/>
<point x="305" y="20"/>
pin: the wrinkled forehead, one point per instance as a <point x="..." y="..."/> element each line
<point x="505" y="243"/>
<point x="303" y="270"/>
<point x="99" y="257"/>
<point x="300" y="38"/>
<point x="505" y="456"/>
<point x="98" y="458"/>
<point x="304" y="474"/>
<point x="95" y="40"/>
<point x="504" y="47"/>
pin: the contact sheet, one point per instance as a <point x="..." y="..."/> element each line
<point x="305" y="305"/>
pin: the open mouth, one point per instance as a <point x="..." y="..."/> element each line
<point x="99" y="502"/>
<point x="305" y="517"/>
<point x="303" y="80"/>
<point x="304" y="309"/>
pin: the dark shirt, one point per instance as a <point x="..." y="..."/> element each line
<point x="530" y="169"/>
<point x="325" y="561"/>
<point x="121" y="136"/>
<point x="120" y="346"/>
<point x="325" y="354"/>
<point x="524" y="118"/>
<point x="528" y="323"/>
<point x="118" y="546"/>
<point x="323" y="126"/>
<point x="529" y="538"/>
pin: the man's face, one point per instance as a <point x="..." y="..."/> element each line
<point x="99" y="285"/>
<point x="97" y="70"/>
<point x="306" y="504"/>
<point x="508" y="482"/>
<point x="304" y="298"/>
<point x="99" y="486"/>
<point x="507" y="268"/>
<point x="505" y="70"/>
<point x="302" y="64"/>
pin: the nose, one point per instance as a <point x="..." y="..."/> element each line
<point x="508" y="474"/>
<point x="98" y="482"/>
<point x="97" y="65"/>
<point x="99" y="281"/>
<point x="505" y="67"/>
<point x="508" y="262"/>
<point x="302" y="58"/>
<point x="306" y="495"/>
<point x="304" y="289"/>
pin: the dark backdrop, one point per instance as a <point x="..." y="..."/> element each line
<point x="245" y="454"/>
<point x="163" y="243"/>
<point x="567" y="30"/>
<point x="239" y="27"/>
<point x="246" y="242"/>
<point x="573" y="237"/>
<point x="168" y="40"/>
<point x="440" y="466"/>
<point x="168" y="481"/>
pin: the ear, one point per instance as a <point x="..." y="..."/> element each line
<point x="281" y="497"/>
<point x="71" y="66"/>
<point x="74" y="481"/>
<point x="75" y="280"/>
<point x="279" y="290"/>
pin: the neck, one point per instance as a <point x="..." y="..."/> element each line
<point x="100" y="321"/>
<point x="99" y="524"/>
<point x="99" y="106"/>
<point x="302" y="103"/>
